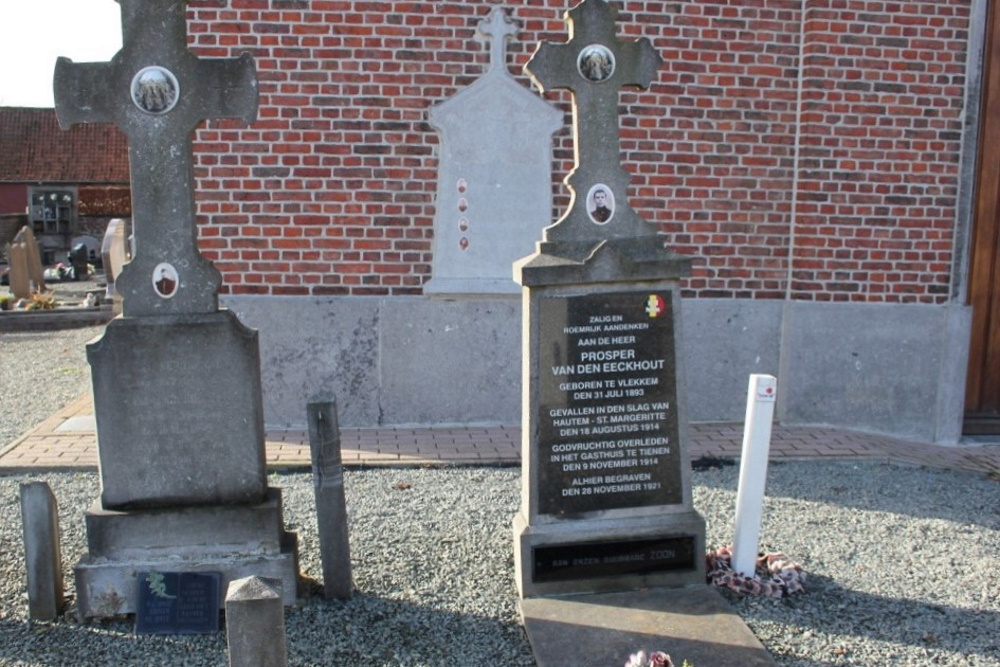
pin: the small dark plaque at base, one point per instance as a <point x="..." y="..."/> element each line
<point x="178" y="603"/>
<point x="593" y="560"/>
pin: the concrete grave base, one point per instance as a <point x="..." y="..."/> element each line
<point x="694" y="624"/>
<point x="684" y="524"/>
<point x="236" y="540"/>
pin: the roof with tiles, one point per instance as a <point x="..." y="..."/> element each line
<point x="34" y="150"/>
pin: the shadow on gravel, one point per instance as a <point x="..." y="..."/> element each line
<point x="66" y="643"/>
<point x="834" y="615"/>
<point x="922" y="493"/>
<point x="362" y="632"/>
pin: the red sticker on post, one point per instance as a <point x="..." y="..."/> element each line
<point x="766" y="390"/>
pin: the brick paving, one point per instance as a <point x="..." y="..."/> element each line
<point x="66" y="441"/>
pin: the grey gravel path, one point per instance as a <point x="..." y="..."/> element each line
<point x="40" y="372"/>
<point x="902" y="561"/>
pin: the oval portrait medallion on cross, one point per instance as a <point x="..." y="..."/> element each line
<point x="600" y="204"/>
<point x="155" y="90"/>
<point x="165" y="280"/>
<point x="596" y="63"/>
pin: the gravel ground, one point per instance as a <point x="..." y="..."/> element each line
<point x="40" y="372"/>
<point x="902" y="561"/>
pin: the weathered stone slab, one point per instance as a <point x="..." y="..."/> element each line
<point x="693" y="624"/>
<point x="20" y="284"/>
<point x="42" y="551"/>
<point x="331" y="502"/>
<point x="36" y="272"/>
<point x="179" y="414"/>
<point x="494" y="193"/>
<point x="107" y="587"/>
<point x="210" y="530"/>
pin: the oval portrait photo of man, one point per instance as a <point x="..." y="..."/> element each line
<point x="600" y="204"/>
<point x="165" y="280"/>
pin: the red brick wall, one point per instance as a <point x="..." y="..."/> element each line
<point x="805" y="150"/>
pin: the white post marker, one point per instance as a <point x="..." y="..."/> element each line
<point x="753" y="471"/>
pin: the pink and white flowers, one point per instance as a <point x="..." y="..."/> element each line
<point x="654" y="659"/>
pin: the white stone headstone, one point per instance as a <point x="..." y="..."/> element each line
<point x="494" y="177"/>
<point x="114" y="255"/>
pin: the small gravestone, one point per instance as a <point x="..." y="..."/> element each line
<point x="494" y="177"/>
<point x="27" y="275"/>
<point x="255" y="623"/>
<point x="17" y="257"/>
<point x="607" y="497"/>
<point x="92" y="245"/>
<point x="176" y="380"/>
<point x="42" y="551"/>
<point x="36" y="272"/>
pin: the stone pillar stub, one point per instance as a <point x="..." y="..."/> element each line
<point x="42" y="551"/>
<point x="331" y="501"/>
<point x="255" y="623"/>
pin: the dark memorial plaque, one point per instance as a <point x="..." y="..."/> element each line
<point x="608" y="434"/>
<point x="609" y="559"/>
<point x="178" y="603"/>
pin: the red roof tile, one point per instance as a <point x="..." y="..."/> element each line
<point x="33" y="149"/>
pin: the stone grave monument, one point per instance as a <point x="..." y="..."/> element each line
<point x="606" y="499"/>
<point x="609" y="551"/>
<point x="176" y="380"/>
<point x="27" y="276"/>
<point x="494" y="174"/>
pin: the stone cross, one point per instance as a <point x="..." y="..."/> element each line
<point x="157" y="92"/>
<point x="498" y="28"/>
<point x="594" y="64"/>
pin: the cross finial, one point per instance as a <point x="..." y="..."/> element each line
<point x="594" y="64"/>
<point x="157" y="92"/>
<point x="499" y="27"/>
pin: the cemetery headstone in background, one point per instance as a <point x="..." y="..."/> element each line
<point x="494" y="174"/>
<point x="176" y="380"/>
<point x="17" y="274"/>
<point x="114" y="255"/>
<point x="606" y="502"/>
<point x="27" y="275"/>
